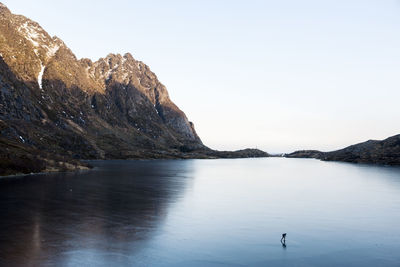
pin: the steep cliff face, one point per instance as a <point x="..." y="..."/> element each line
<point x="112" y="108"/>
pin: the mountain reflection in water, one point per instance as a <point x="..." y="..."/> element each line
<point x="47" y="218"/>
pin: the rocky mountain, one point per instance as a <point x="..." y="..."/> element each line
<point x="55" y="105"/>
<point x="373" y="151"/>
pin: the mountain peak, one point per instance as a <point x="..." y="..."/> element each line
<point x="4" y="9"/>
<point x="129" y="56"/>
<point x="114" y="107"/>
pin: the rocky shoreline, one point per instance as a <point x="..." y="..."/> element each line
<point x="16" y="158"/>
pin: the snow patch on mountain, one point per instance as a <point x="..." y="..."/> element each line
<point x="31" y="33"/>
<point x="35" y="35"/>
<point x="51" y="51"/>
<point x="40" y="76"/>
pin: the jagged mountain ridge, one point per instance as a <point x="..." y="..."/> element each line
<point x="111" y="107"/>
<point x="55" y="108"/>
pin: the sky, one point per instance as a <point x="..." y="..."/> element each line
<point x="274" y="75"/>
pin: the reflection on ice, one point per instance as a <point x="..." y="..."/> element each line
<point x="203" y="212"/>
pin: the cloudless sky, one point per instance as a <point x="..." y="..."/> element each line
<point x="277" y="75"/>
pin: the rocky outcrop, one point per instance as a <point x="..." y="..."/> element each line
<point x="243" y="153"/>
<point x="116" y="107"/>
<point x="304" y="154"/>
<point x="373" y="151"/>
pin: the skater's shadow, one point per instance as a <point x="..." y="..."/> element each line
<point x="283" y="240"/>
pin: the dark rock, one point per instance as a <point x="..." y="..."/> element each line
<point x="304" y="154"/>
<point x="385" y="152"/>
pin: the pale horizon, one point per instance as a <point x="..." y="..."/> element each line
<point x="275" y="76"/>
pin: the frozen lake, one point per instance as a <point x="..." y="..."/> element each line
<point x="203" y="213"/>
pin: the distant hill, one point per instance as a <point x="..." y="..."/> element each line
<point x="373" y="151"/>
